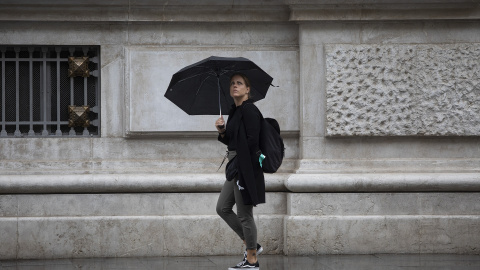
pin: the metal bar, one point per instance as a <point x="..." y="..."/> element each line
<point x="3" y="133"/>
<point x="17" y="91"/>
<point x="72" y="95"/>
<point x="59" y="131"/>
<point x="85" y="91"/>
<point x="85" y="100"/>
<point x="30" y="73"/>
<point x="44" y="131"/>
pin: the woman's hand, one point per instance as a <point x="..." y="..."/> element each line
<point x="220" y="125"/>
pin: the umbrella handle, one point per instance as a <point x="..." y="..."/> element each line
<point x="219" y="101"/>
<point x="222" y="126"/>
<point x="219" y="94"/>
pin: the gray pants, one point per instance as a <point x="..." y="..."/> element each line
<point x="242" y="222"/>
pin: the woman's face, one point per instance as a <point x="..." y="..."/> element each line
<point x="238" y="89"/>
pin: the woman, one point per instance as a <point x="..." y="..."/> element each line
<point x="245" y="184"/>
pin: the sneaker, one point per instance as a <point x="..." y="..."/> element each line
<point x="259" y="251"/>
<point x="246" y="265"/>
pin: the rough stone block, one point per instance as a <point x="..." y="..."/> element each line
<point x="403" y="90"/>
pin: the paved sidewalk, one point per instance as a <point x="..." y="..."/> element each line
<point x="267" y="262"/>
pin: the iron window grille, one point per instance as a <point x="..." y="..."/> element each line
<point x="36" y="91"/>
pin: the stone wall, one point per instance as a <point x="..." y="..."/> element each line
<point x="377" y="102"/>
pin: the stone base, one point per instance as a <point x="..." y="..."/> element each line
<point x="313" y="235"/>
<point x="367" y="223"/>
<point x="84" y="237"/>
<point x="125" y="225"/>
<point x="47" y="226"/>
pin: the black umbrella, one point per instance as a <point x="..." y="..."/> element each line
<point x="204" y="87"/>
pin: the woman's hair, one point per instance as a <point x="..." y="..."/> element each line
<point x="245" y="79"/>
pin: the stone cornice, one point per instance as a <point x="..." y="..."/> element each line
<point x="145" y="13"/>
<point x="385" y="12"/>
<point x="241" y="11"/>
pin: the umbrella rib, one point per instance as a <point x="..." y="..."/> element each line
<point x="223" y="96"/>
<point x="198" y="90"/>
<point x="199" y="74"/>
<point x="196" y="94"/>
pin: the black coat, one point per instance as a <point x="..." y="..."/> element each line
<point x="242" y="135"/>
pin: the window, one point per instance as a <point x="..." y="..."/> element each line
<point x="36" y="91"/>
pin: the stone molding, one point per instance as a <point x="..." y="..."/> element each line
<point x="387" y="166"/>
<point x="218" y="11"/>
<point x="146" y="13"/>
<point x="297" y="183"/>
<point x="114" y="183"/>
<point x="387" y="182"/>
<point x="418" y="10"/>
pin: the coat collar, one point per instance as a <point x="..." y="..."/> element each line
<point x="233" y="108"/>
<point x="243" y="103"/>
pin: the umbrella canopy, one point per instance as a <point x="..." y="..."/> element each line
<point x="204" y="87"/>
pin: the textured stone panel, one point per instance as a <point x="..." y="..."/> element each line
<point x="403" y="90"/>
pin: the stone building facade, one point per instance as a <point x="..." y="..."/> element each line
<point x="378" y="102"/>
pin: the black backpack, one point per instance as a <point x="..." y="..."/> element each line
<point x="271" y="145"/>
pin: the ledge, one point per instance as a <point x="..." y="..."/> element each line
<point x="192" y="134"/>
<point x="123" y="183"/>
<point x="280" y="182"/>
<point x="384" y="182"/>
<point x="239" y="11"/>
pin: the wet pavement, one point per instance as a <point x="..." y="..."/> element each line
<point x="267" y="262"/>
